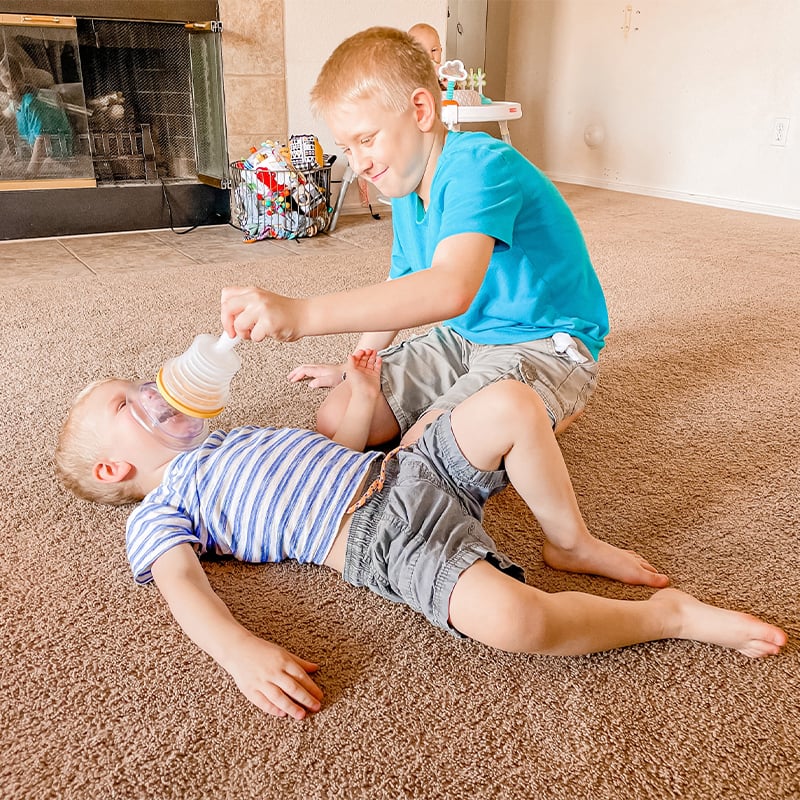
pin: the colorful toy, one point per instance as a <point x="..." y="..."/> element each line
<point x="477" y="82"/>
<point x="452" y="72"/>
<point x="463" y="88"/>
<point x="306" y="151"/>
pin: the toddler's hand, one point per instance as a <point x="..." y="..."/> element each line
<point x="274" y="679"/>
<point x="364" y="372"/>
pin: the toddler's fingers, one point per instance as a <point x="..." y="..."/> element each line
<point x="308" y="666"/>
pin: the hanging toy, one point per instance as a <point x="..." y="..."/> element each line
<point x="452" y="72"/>
<point x="477" y="82"/>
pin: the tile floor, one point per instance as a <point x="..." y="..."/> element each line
<point x="24" y="261"/>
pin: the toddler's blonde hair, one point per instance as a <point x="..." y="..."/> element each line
<point x="79" y="449"/>
<point x="384" y="65"/>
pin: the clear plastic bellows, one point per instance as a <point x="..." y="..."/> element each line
<point x="198" y="381"/>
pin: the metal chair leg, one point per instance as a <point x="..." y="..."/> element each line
<point x="347" y="178"/>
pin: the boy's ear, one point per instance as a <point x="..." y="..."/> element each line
<point x="111" y="471"/>
<point x="424" y="108"/>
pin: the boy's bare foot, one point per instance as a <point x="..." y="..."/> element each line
<point x="596" y="557"/>
<point x="704" y="623"/>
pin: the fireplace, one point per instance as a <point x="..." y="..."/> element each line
<point x="110" y="123"/>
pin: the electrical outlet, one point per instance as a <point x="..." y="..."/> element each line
<point x="780" y="131"/>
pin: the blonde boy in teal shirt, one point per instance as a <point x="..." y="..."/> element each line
<point x="482" y="240"/>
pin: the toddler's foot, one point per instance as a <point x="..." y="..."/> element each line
<point x="704" y="623"/>
<point x="596" y="557"/>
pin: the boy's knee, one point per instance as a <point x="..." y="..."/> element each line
<point x="514" y="620"/>
<point x="511" y="398"/>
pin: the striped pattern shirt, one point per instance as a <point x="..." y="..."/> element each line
<point x="258" y="494"/>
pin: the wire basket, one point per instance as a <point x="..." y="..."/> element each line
<point x="280" y="204"/>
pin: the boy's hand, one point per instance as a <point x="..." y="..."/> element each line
<point x="273" y="679"/>
<point x="364" y="373"/>
<point x="256" y="314"/>
<point x="320" y="375"/>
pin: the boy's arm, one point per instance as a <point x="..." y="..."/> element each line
<point x="269" y="676"/>
<point x="444" y="290"/>
<point x="364" y="376"/>
<point x="38" y="155"/>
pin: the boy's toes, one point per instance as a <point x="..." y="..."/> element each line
<point x="658" y="580"/>
<point x="645" y="573"/>
<point x="652" y="577"/>
<point x="759" y="648"/>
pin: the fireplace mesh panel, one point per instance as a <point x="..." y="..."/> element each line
<point x="137" y="83"/>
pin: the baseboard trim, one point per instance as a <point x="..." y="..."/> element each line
<point x="700" y="199"/>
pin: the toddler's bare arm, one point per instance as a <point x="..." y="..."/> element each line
<point x="329" y="375"/>
<point x="270" y="677"/>
<point x="364" y="377"/>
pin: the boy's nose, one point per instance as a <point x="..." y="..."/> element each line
<point x="358" y="163"/>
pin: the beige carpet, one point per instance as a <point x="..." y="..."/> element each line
<point x="689" y="453"/>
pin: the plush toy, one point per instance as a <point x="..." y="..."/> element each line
<point x="306" y="151"/>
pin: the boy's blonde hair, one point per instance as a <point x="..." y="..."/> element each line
<point x="79" y="450"/>
<point x="384" y="65"/>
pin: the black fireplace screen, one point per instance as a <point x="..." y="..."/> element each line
<point x="136" y="78"/>
<point x="118" y="102"/>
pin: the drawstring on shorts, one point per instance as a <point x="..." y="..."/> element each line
<point x="377" y="484"/>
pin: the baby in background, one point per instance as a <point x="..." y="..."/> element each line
<point x="406" y="525"/>
<point x="428" y="37"/>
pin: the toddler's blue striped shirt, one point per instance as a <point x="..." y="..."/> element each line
<point x="258" y="494"/>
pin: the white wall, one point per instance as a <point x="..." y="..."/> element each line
<point x="686" y="102"/>
<point x="313" y="29"/>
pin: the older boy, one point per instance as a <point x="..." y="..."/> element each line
<point x="482" y="240"/>
<point x="407" y="526"/>
<point x="45" y="127"/>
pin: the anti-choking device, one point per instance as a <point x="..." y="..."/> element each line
<point x="172" y="428"/>
<point x="197" y="382"/>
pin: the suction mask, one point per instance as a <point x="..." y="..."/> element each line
<point x="172" y="428"/>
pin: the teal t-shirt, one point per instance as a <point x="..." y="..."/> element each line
<point x="36" y="117"/>
<point x="540" y="278"/>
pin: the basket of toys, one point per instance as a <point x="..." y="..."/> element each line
<point x="281" y="192"/>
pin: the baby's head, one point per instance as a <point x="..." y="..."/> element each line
<point x="380" y="65"/>
<point x="428" y="38"/>
<point x="82" y="444"/>
<point x="117" y="438"/>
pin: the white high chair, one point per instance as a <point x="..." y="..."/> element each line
<point x="499" y="112"/>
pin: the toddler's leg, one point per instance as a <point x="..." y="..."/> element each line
<point x="491" y="607"/>
<point x="507" y="421"/>
<point x="383" y="427"/>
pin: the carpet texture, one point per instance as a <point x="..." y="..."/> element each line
<point x="688" y="453"/>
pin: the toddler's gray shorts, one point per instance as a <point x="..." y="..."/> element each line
<point x="414" y="538"/>
<point x="440" y="368"/>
